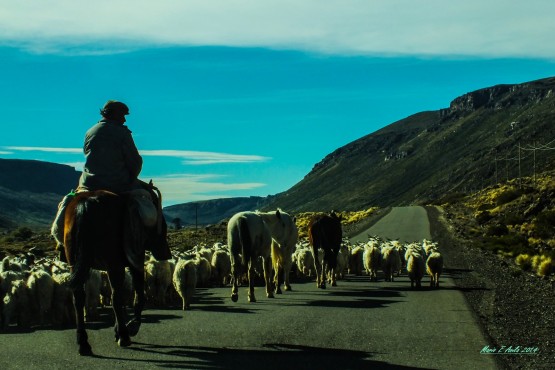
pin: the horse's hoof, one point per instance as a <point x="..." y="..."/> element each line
<point x="234" y="297"/>
<point x="271" y="295"/>
<point x="124" y="342"/>
<point x="278" y="291"/>
<point x="252" y="299"/>
<point x="334" y="284"/>
<point x="288" y="288"/>
<point x="133" y="327"/>
<point x="85" y="349"/>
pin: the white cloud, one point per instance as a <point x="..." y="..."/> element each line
<point x="198" y="158"/>
<point x="493" y="28"/>
<point x="44" y="149"/>
<point x="190" y="187"/>
<point x="189" y="157"/>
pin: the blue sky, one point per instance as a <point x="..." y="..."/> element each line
<point x="239" y="98"/>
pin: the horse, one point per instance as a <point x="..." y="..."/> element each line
<point x="102" y="230"/>
<point x="249" y="238"/>
<point x="284" y="238"/>
<point x="324" y="232"/>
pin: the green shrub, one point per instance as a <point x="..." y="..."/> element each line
<point x="497" y="230"/>
<point x="507" y="196"/>
<point x="483" y="217"/>
<point x="23" y="233"/>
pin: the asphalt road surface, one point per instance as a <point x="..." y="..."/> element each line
<point x="357" y="325"/>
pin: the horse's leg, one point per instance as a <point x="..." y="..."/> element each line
<point x="117" y="279"/>
<point x="317" y="266"/>
<point x="234" y="278"/>
<point x="268" y="277"/>
<point x="251" y="296"/>
<point x="324" y="276"/>
<point x="82" y="337"/>
<point x="288" y="262"/>
<point x="134" y="324"/>
<point x="276" y="277"/>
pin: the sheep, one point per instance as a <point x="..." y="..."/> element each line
<point x="41" y="288"/>
<point x="305" y="262"/>
<point x="158" y="278"/>
<point x="221" y="267"/>
<point x="63" y="311"/>
<point x="185" y="281"/>
<point x="17" y="306"/>
<point x="93" y="287"/>
<point x="429" y="247"/>
<point x="204" y="271"/>
<point x="355" y="260"/>
<point x="415" y="267"/>
<point x="342" y="262"/>
<point x="391" y="262"/>
<point x="105" y="290"/>
<point x="372" y="259"/>
<point x="434" y="267"/>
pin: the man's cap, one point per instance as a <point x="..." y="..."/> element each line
<point x="114" y="108"/>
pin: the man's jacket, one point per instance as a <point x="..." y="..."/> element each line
<point x="112" y="160"/>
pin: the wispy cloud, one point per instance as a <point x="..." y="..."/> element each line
<point x="190" y="187"/>
<point x="44" y="149"/>
<point x="198" y="158"/>
<point x="189" y="157"/>
<point x="493" y="28"/>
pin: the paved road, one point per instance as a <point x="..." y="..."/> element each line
<point x="356" y="325"/>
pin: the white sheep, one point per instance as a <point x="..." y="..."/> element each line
<point x="221" y="267"/>
<point x="185" y="281"/>
<point x="415" y="267"/>
<point x="342" y="262"/>
<point x="204" y="271"/>
<point x="63" y="310"/>
<point x="305" y="262"/>
<point x="41" y="290"/>
<point x="355" y="260"/>
<point x="17" y="306"/>
<point x="434" y="267"/>
<point x="372" y="259"/>
<point x="391" y="261"/>
<point x="158" y="278"/>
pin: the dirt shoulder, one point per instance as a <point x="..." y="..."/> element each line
<point x="513" y="307"/>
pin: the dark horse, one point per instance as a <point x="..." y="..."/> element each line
<point x="103" y="231"/>
<point x="325" y="232"/>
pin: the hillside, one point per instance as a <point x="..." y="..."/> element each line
<point x="211" y="211"/>
<point x="31" y="190"/>
<point x="470" y="145"/>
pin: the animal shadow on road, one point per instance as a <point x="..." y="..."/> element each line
<point x="268" y="357"/>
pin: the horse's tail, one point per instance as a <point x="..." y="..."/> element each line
<point x="79" y="234"/>
<point x="245" y="238"/>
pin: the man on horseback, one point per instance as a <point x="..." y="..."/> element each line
<point x="112" y="163"/>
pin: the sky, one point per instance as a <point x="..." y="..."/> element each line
<point x="243" y="97"/>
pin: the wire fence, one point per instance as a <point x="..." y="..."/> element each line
<point x="527" y="160"/>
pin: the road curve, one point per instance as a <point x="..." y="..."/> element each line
<point x="357" y="325"/>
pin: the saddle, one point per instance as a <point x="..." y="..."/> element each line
<point x="145" y="225"/>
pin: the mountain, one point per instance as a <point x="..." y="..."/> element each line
<point x="31" y="190"/>
<point x="483" y="137"/>
<point x="473" y="143"/>
<point x="211" y="211"/>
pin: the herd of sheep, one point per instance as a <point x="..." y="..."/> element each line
<point x="35" y="291"/>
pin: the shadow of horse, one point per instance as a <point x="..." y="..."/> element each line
<point x="290" y="357"/>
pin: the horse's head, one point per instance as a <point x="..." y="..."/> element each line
<point x="157" y="241"/>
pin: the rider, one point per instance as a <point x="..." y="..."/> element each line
<point x="112" y="160"/>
